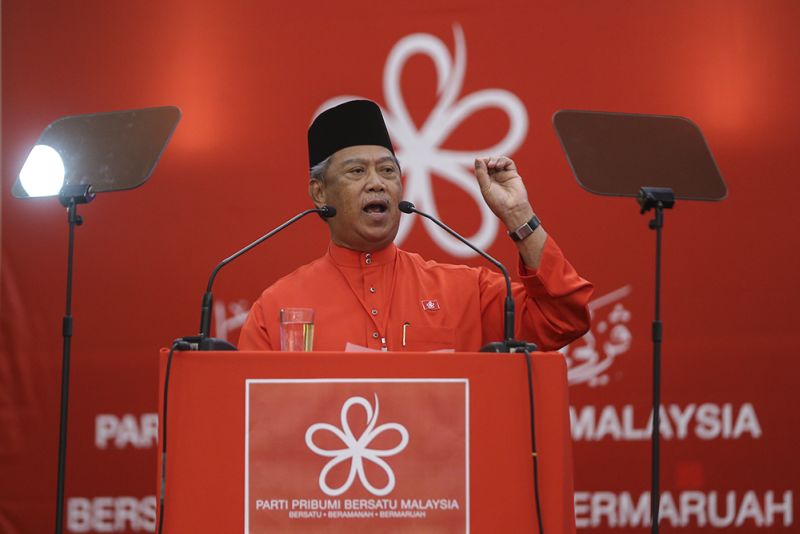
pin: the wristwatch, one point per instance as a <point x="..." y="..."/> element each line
<point x="525" y="230"/>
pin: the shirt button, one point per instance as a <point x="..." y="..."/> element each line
<point x="375" y="335"/>
<point x="372" y="290"/>
<point x="374" y="312"/>
<point x="367" y="258"/>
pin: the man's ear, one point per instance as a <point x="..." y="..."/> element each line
<point x="316" y="190"/>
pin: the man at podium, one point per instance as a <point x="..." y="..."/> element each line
<point x="367" y="293"/>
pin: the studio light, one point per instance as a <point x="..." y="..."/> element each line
<point x="74" y="159"/>
<point x="42" y="175"/>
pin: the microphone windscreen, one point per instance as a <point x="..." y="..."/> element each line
<point x="327" y="211"/>
<point x="406" y="206"/>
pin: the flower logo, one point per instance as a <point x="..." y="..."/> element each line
<point x="419" y="149"/>
<point x="357" y="449"/>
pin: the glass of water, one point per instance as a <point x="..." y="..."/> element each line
<point x="297" y="329"/>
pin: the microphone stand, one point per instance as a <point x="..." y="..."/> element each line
<point x="509" y="343"/>
<point x="203" y="341"/>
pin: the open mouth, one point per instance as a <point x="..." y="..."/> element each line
<point x="376" y="206"/>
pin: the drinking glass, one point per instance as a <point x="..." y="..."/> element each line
<point x="297" y="329"/>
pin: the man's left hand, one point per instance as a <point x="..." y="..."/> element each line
<point x="505" y="194"/>
<point x="503" y="190"/>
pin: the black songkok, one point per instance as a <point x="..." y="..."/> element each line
<point x="357" y="122"/>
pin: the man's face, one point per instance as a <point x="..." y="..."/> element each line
<point x="363" y="184"/>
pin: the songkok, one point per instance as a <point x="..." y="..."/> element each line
<point x="357" y="122"/>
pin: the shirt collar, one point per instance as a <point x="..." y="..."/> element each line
<point x="346" y="257"/>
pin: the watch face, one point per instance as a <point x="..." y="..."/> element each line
<point x="525" y="230"/>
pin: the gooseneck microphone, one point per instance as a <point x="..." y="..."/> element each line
<point x="509" y="344"/>
<point x="203" y="341"/>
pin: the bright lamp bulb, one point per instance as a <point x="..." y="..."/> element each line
<point x="43" y="172"/>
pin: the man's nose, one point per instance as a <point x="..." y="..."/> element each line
<point x="374" y="181"/>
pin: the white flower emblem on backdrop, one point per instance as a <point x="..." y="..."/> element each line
<point x="357" y="449"/>
<point x="419" y="150"/>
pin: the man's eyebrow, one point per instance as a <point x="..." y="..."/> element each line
<point x="354" y="160"/>
<point x="364" y="161"/>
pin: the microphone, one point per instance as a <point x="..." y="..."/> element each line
<point x="203" y="341"/>
<point x="509" y="344"/>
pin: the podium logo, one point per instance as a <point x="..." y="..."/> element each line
<point x="321" y="455"/>
<point x="357" y="449"/>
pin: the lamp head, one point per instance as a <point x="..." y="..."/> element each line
<point x="42" y="175"/>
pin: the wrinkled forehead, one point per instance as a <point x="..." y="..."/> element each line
<point x="365" y="154"/>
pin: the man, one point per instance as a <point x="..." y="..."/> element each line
<point x="368" y="293"/>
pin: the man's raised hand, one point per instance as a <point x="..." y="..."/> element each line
<point x="503" y="190"/>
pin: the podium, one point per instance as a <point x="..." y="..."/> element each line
<point x="365" y="442"/>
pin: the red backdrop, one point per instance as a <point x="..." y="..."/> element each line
<point x="249" y="76"/>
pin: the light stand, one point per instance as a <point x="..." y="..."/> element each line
<point x="658" y="199"/>
<point x="69" y="197"/>
<point x="75" y="158"/>
<point x="656" y="159"/>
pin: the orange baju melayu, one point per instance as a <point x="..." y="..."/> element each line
<point x="395" y="300"/>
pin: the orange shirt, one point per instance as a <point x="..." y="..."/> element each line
<point x="395" y="300"/>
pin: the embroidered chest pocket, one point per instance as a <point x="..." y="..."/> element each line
<point x="428" y="338"/>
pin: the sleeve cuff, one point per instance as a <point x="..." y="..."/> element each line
<point x="548" y="279"/>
